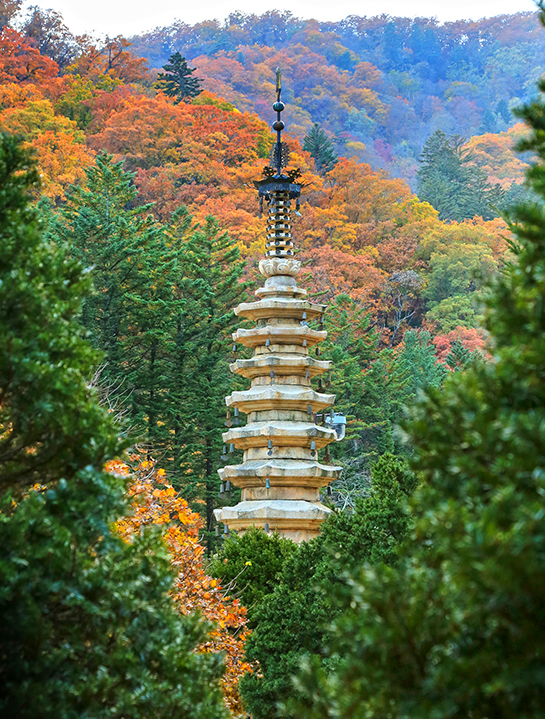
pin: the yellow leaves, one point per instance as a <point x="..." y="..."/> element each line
<point x="58" y="143"/>
<point x="155" y="502"/>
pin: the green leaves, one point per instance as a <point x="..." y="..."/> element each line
<point x="178" y="80"/>
<point x="87" y="627"/>
<point x="252" y="563"/>
<point x="321" y="149"/>
<point x="50" y="424"/>
<point x="451" y="184"/>
<point x="293" y="622"/>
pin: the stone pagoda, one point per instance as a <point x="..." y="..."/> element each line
<point x="281" y="473"/>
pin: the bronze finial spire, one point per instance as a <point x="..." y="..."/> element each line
<point x="278" y="107"/>
<point x="274" y="179"/>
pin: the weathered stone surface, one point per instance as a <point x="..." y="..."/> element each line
<point x="278" y="335"/>
<point x="284" y="472"/>
<point x="281" y="474"/>
<point x="279" y="396"/>
<point x="285" y="307"/>
<point x="272" y="266"/>
<point x="287" y="434"/>
<point x="296" y="518"/>
<point x="280" y="364"/>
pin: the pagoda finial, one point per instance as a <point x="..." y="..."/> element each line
<point x="278" y="107"/>
<point x="274" y="179"/>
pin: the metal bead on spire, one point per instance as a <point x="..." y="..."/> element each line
<point x="278" y="188"/>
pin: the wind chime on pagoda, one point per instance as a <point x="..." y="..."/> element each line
<point x="281" y="474"/>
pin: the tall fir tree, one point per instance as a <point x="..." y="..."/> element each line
<point x="87" y="624"/>
<point x="455" y="629"/>
<point x="132" y="312"/>
<point x="449" y="181"/>
<point x="321" y="149"/>
<point x="178" y="80"/>
<point x="210" y="284"/>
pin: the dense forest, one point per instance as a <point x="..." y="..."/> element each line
<point x="130" y="229"/>
<point x="379" y="86"/>
<point x="131" y="179"/>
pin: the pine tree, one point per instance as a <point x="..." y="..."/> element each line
<point x="293" y="623"/>
<point x="49" y="428"/>
<point x="87" y="625"/>
<point x="132" y="314"/>
<point x="455" y="629"/>
<point x="251" y="565"/>
<point x="459" y="356"/>
<point x="418" y="360"/>
<point x="449" y="182"/>
<point x="178" y="80"/>
<point x="321" y="149"/>
<point x="210" y="286"/>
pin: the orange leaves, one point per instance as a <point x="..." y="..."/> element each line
<point x="335" y="272"/>
<point x="21" y="62"/>
<point x="155" y="502"/>
<point x="496" y="155"/>
<point x="472" y="339"/>
<point x="111" y="58"/>
<point x="59" y="145"/>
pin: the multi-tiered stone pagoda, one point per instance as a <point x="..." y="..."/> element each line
<point x="281" y="474"/>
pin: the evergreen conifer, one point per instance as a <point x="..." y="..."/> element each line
<point x="293" y="623"/>
<point x="87" y="626"/>
<point x="455" y="628"/>
<point x="178" y="80"/>
<point x="450" y="183"/>
<point x="210" y="284"/>
<point x="321" y="149"/>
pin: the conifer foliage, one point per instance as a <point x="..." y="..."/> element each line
<point x="178" y="80"/>
<point x="293" y="622"/>
<point x="449" y="181"/>
<point x="87" y="626"/>
<point x="321" y="149"/>
<point x="161" y="312"/>
<point x="455" y="629"/>
<point x="49" y="427"/>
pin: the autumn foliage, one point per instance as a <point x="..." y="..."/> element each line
<point x="156" y="504"/>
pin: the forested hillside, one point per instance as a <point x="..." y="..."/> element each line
<point x="130" y="228"/>
<point x="380" y="86"/>
<point x="132" y="180"/>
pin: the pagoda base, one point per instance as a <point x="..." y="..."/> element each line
<point x="296" y="519"/>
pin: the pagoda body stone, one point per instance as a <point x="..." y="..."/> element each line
<point x="281" y="473"/>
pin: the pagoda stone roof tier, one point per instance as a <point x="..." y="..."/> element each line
<point x="286" y="291"/>
<point x="279" y="397"/>
<point x="280" y="364"/>
<point x="279" y="334"/>
<point x="284" y="307"/>
<point x="279" y="514"/>
<point x="284" y="434"/>
<point x="284" y="472"/>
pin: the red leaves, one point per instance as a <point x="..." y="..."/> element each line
<point x="21" y="62"/>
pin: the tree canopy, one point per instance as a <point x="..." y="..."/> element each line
<point x="87" y="624"/>
<point x="454" y="627"/>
